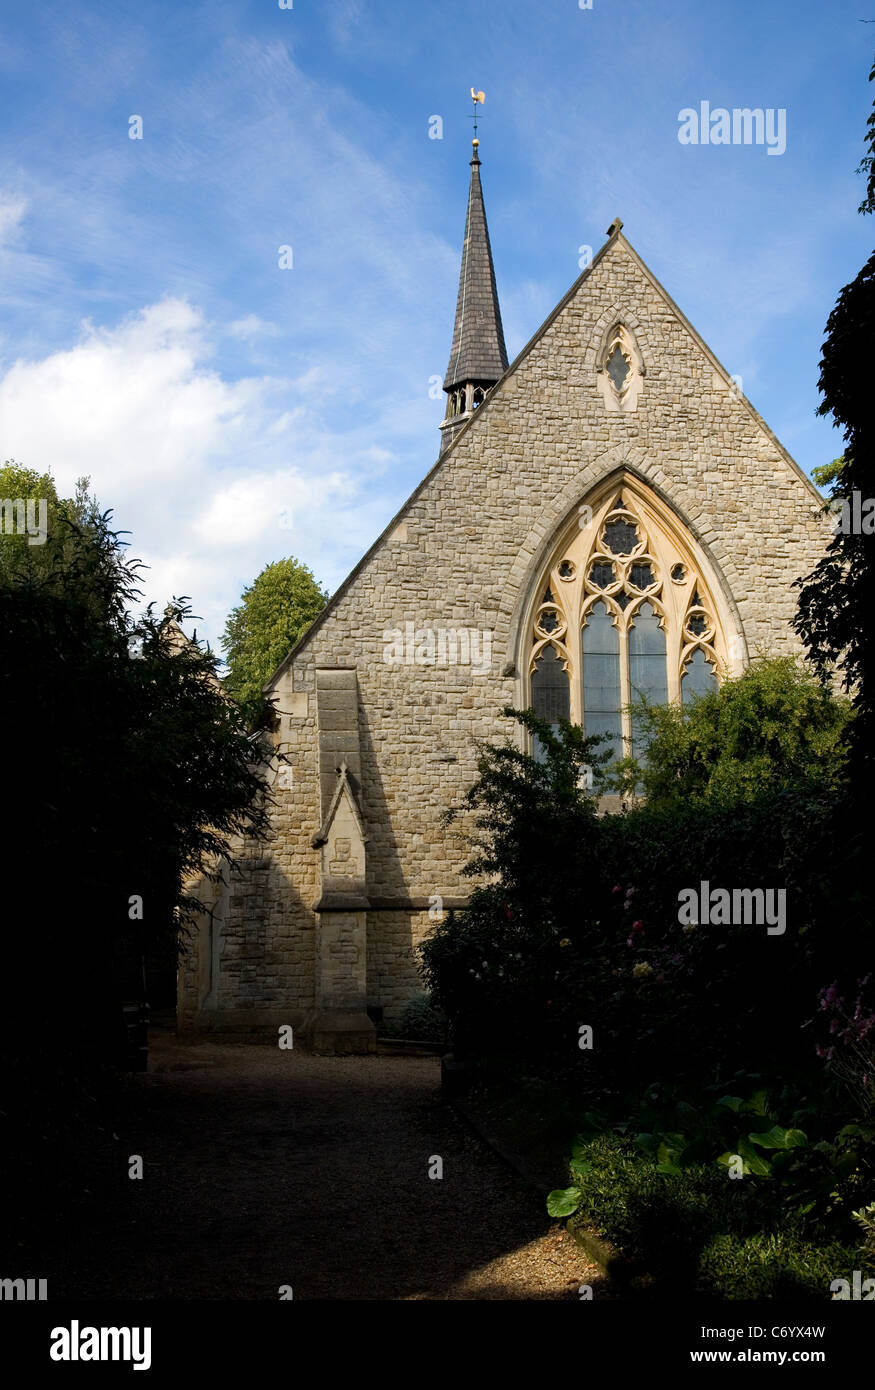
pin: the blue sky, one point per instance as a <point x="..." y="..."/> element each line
<point x="231" y="412"/>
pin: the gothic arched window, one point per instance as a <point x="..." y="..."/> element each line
<point x="624" y="610"/>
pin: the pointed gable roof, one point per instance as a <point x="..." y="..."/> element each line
<point x="478" y="353"/>
<point x="615" y="240"/>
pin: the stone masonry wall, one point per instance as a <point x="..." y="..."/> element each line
<point x="465" y="553"/>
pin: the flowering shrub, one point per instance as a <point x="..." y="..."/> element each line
<point x="849" y="1047"/>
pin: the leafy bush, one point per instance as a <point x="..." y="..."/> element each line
<point x="865" y="1219"/>
<point x="774" y="726"/>
<point x="578" y="923"/>
<point x="661" y="1222"/>
<point x="770" y="1265"/>
<point x="817" y="1176"/>
<point x="695" y="1230"/>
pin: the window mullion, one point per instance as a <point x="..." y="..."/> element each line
<point x="625" y="688"/>
<point x="576" y="672"/>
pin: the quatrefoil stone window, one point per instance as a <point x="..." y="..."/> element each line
<point x="620" y="371"/>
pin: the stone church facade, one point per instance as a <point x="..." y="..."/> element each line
<point x="608" y="513"/>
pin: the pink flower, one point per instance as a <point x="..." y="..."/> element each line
<point x="617" y="888"/>
<point x="829" y="996"/>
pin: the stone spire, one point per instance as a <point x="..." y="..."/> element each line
<point x="478" y="356"/>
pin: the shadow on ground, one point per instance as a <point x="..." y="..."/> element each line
<point x="264" y="1168"/>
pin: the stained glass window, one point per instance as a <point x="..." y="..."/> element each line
<point x="550" y="691"/>
<point x="602" y="574"/>
<point x="648" y="674"/>
<point x="621" y="537"/>
<point x="642" y="576"/>
<point x="600" y="643"/>
<point x="656" y="635"/>
<point x="699" y="677"/>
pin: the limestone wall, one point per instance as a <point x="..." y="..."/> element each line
<point x="464" y="555"/>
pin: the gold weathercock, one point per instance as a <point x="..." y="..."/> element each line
<point x="476" y="97"/>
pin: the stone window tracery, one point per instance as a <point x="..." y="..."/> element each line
<point x="620" y="368"/>
<point x="623" y="608"/>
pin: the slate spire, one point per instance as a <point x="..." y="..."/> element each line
<point x="478" y="356"/>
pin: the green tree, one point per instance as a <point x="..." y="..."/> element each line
<point x="837" y="599"/>
<point x="126" y="769"/>
<point x="24" y="484"/>
<point x="827" y="474"/>
<point x="275" y="612"/>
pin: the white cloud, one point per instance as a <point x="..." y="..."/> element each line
<point x="252" y="327"/>
<point x="213" y="478"/>
<point x="250" y="506"/>
<point x="127" y="405"/>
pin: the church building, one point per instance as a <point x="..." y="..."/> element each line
<point x="607" y="514"/>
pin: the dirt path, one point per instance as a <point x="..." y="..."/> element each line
<point x="265" y="1168"/>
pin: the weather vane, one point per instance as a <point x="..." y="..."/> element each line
<point x="475" y="97"/>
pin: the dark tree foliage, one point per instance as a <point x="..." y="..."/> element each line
<point x="492" y="967"/>
<point x="867" y="165"/>
<point x="837" y="600"/>
<point x="577" y="921"/>
<point x="835" y="613"/>
<point x="127" y="771"/>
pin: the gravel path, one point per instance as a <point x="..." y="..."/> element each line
<point x="265" y="1168"/>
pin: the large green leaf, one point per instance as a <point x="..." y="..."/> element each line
<point x="753" y="1161"/>
<point x="563" y="1201"/>
<point x="759" y="1103"/>
<point x="729" y="1157"/>
<point x="797" y="1139"/>
<point x="774" y="1138"/>
<point x="733" y="1103"/>
<point x="779" y="1138"/>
